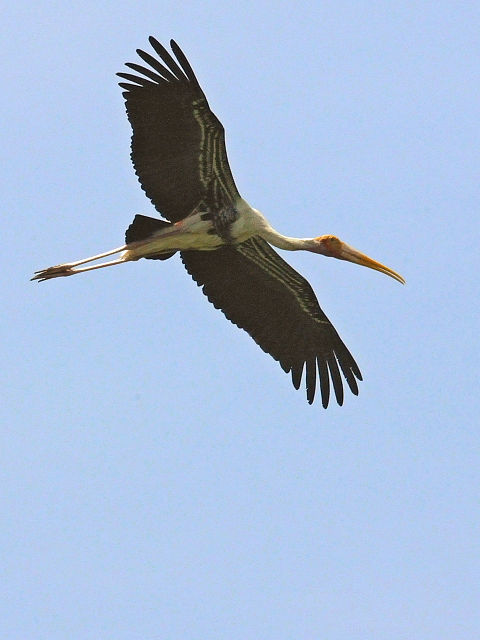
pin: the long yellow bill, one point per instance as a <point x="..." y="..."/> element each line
<point x="353" y="255"/>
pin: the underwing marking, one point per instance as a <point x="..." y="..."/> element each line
<point x="254" y="251"/>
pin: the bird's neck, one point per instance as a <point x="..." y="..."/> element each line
<point x="259" y="225"/>
<point x="284" y="242"/>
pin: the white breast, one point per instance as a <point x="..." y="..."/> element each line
<point x="250" y="222"/>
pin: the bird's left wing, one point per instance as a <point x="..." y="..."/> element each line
<point x="178" y="144"/>
<point x="261" y="293"/>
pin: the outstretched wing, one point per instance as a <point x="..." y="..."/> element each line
<point x="178" y="144"/>
<point x="259" y="292"/>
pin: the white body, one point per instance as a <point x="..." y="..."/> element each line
<point x="195" y="234"/>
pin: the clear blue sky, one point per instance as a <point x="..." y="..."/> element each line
<point x="160" y="477"/>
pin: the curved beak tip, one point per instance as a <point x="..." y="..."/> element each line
<point x="360" y="258"/>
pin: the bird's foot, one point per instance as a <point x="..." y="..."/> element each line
<point x="58" y="271"/>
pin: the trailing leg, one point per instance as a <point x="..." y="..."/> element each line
<point x="69" y="268"/>
<point x="137" y="242"/>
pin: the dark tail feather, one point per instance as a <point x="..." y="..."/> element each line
<point x="141" y="228"/>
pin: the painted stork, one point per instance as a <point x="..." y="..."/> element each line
<point x="179" y="155"/>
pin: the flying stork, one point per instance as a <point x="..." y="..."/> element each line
<point x="179" y="156"/>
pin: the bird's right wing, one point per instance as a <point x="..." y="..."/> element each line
<point x="178" y="144"/>
<point x="261" y="293"/>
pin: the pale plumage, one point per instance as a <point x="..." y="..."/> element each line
<point x="179" y="156"/>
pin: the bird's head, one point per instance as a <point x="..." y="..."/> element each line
<point x="333" y="247"/>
